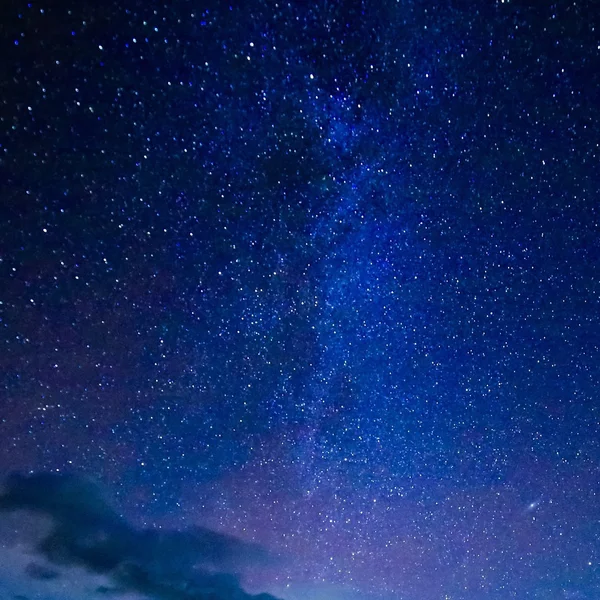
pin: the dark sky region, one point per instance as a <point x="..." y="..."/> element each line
<point x="299" y="298"/>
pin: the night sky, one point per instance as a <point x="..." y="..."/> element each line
<point x="319" y="280"/>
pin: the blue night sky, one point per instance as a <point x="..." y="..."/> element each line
<point x="300" y="299"/>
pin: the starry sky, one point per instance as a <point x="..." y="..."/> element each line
<point x="322" y="278"/>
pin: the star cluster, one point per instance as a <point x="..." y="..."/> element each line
<point x="323" y="276"/>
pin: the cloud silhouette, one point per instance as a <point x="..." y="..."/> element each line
<point x="86" y="534"/>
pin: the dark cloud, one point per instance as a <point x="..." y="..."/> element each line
<point x="108" y="591"/>
<point x="86" y="532"/>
